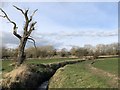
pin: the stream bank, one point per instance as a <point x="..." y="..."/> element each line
<point x="56" y="66"/>
<point x="31" y="76"/>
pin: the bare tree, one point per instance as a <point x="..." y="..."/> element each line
<point x="27" y="30"/>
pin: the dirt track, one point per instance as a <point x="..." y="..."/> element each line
<point x="113" y="82"/>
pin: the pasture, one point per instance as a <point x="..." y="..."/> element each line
<point x="6" y="63"/>
<point x="108" y="64"/>
<point x="80" y="75"/>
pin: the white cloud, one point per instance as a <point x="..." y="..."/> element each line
<point x="80" y="33"/>
<point x="10" y="41"/>
<point x="10" y="45"/>
<point x="53" y="33"/>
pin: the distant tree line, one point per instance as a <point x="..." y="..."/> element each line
<point x="75" y="52"/>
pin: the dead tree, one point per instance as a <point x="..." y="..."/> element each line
<point x="27" y="30"/>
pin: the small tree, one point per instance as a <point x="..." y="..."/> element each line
<point x="63" y="52"/>
<point x="80" y="52"/>
<point x="27" y="30"/>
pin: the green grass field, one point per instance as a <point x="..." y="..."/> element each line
<point x="46" y="61"/>
<point x="6" y="63"/>
<point x="79" y="75"/>
<point x="109" y="65"/>
<point x="76" y="75"/>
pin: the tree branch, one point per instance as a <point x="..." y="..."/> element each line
<point x="17" y="35"/>
<point x="24" y="13"/>
<point x="15" y="26"/>
<point x="31" y="28"/>
<point x="34" y="12"/>
<point x="7" y="17"/>
<point x="33" y="42"/>
<point x="32" y="15"/>
<point x="19" y="9"/>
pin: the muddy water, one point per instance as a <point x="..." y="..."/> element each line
<point x="43" y="86"/>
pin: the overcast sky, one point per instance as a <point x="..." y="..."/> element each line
<point x="65" y="24"/>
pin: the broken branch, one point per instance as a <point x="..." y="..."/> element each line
<point x="15" y="26"/>
<point x="32" y="15"/>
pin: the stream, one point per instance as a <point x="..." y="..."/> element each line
<point x="46" y="71"/>
<point x="43" y="86"/>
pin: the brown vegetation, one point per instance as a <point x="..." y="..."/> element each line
<point x="86" y="52"/>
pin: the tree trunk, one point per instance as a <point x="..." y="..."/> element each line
<point x="28" y="28"/>
<point x="21" y="53"/>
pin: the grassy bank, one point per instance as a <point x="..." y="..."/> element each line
<point x="76" y="75"/>
<point x="46" y="61"/>
<point x="6" y="63"/>
<point x="32" y="75"/>
<point x="79" y="76"/>
<point x="26" y="77"/>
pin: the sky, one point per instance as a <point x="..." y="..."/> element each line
<point x="64" y="24"/>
